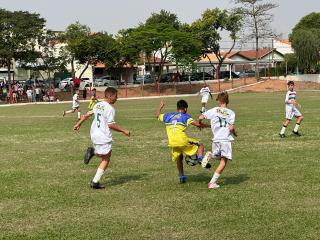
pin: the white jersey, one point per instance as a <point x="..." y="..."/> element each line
<point x="205" y="92"/>
<point x="104" y="114"/>
<point x="75" y="102"/>
<point x="220" y="118"/>
<point x="291" y="110"/>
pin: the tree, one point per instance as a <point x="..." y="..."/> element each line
<point x="257" y="18"/>
<point x="305" y="41"/>
<point x="161" y="38"/>
<point x="48" y="57"/>
<point x="208" y="29"/>
<point x="73" y="36"/>
<point x="98" y="47"/>
<point x="19" y="34"/>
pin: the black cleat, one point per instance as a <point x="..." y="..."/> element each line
<point x="282" y="135"/>
<point x="296" y="133"/>
<point x="88" y="155"/>
<point x="96" y="185"/>
<point x="208" y="166"/>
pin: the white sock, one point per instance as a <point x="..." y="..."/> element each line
<point x="79" y="115"/>
<point x="203" y="109"/>
<point x="98" y="175"/>
<point x="215" y="177"/>
<point x="296" y="127"/>
<point x="283" y="129"/>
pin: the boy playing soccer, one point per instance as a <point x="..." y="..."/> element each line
<point x="291" y="111"/>
<point x="100" y="132"/>
<point x="204" y="92"/>
<point x="75" y="105"/>
<point x="179" y="143"/>
<point x="222" y="125"/>
<point x="93" y="99"/>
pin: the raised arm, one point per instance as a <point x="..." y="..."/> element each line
<point x="158" y="112"/>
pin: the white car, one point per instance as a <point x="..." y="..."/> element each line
<point x="85" y="82"/>
<point x="65" y="82"/>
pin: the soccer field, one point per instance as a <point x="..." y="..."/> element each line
<point x="270" y="190"/>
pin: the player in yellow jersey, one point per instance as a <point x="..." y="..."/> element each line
<point x="179" y="143"/>
<point x="93" y="99"/>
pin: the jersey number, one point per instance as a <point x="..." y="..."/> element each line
<point x="223" y="122"/>
<point x="98" y="120"/>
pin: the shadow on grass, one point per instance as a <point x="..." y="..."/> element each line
<point x="202" y="177"/>
<point x="237" y="179"/>
<point x="124" y="179"/>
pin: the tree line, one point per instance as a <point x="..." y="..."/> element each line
<point x="161" y="38"/>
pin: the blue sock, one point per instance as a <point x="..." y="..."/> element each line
<point x="199" y="157"/>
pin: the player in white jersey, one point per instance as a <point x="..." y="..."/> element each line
<point x="291" y="111"/>
<point x="75" y="105"/>
<point x="205" y="93"/>
<point x="222" y="124"/>
<point x="100" y="132"/>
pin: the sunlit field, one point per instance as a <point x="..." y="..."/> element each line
<point x="270" y="190"/>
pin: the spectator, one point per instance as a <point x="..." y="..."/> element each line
<point x="84" y="93"/>
<point x="29" y="95"/>
<point x="37" y="90"/>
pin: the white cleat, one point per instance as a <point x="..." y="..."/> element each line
<point x="213" y="185"/>
<point x="206" y="159"/>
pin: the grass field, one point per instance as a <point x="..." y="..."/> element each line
<point x="270" y="191"/>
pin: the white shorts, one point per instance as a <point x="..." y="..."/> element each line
<point x="205" y="99"/>
<point x="75" y="107"/>
<point x="102" y="149"/>
<point x="222" y="149"/>
<point x="292" y="112"/>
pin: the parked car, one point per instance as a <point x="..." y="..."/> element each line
<point x="100" y="82"/>
<point x="247" y="73"/>
<point x="143" y="79"/>
<point x="85" y="82"/>
<point x="196" y="76"/>
<point x="108" y="81"/>
<point x="226" y="75"/>
<point x="65" y="83"/>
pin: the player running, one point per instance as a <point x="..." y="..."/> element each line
<point x="179" y="143"/>
<point x="101" y="135"/>
<point x="291" y="111"/>
<point x="75" y="105"/>
<point x="222" y="125"/>
<point x="205" y="93"/>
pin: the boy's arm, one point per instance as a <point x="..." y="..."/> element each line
<point x="82" y="119"/>
<point x="116" y="128"/>
<point x="200" y="124"/>
<point x="158" y="112"/>
<point x="233" y="130"/>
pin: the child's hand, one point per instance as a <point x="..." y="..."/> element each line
<point x="161" y="105"/>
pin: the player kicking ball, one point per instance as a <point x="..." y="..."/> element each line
<point x="291" y="111"/>
<point x="222" y="125"/>
<point x="100" y="132"/>
<point x="179" y="143"/>
<point x="75" y="105"/>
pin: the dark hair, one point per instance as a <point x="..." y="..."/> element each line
<point x="182" y="104"/>
<point x="94" y="89"/>
<point x="290" y="83"/>
<point x="110" y="91"/>
<point x="223" y="97"/>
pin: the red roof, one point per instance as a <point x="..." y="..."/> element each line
<point x="251" y="54"/>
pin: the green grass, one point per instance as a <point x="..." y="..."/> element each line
<point x="269" y="191"/>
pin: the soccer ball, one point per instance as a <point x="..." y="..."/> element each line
<point x="192" y="160"/>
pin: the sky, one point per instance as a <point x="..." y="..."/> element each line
<point x="111" y="16"/>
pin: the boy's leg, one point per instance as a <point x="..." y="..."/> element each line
<point x="79" y="113"/>
<point x="203" y="107"/>
<point x="69" y="111"/>
<point x="296" y="127"/>
<point x="284" y="127"/>
<point x="213" y="182"/>
<point x="100" y="171"/>
<point x="179" y="161"/>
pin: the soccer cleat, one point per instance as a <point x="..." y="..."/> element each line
<point x="88" y="155"/>
<point x="96" y="185"/>
<point x="213" y="185"/>
<point x="208" y="166"/>
<point x="63" y="113"/>
<point x="282" y="135"/>
<point x="296" y="133"/>
<point x="206" y="159"/>
<point x="182" y="179"/>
